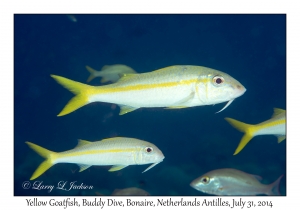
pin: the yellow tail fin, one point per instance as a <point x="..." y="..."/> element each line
<point x="44" y="166"/>
<point x="93" y="73"/>
<point x="80" y="90"/>
<point x="245" y="128"/>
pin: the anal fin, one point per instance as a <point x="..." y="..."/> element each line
<point x="117" y="168"/>
<point x="83" y="167"/>
<point x="125" y="109"/>
<point x="176" y="107"/>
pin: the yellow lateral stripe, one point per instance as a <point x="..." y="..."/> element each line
<point x="91" y="152"/>
<point x="147" y="86"/>
<point x="269" y="124"/>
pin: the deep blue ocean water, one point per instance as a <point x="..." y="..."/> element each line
<point x="250" y="48"/>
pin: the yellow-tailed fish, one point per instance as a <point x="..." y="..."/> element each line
<point x="110" y="73"/>
<point x="230" y="181"/>
<point x="119" y="152"/>
<point x="174" y="87"/>
<point x="274" y="126"/>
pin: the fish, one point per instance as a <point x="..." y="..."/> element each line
<point x="229" y="181"/>
<point x="173" y="87"/>
<point x="118" y="151"/>
<point x="72" y="18"/>
<point x="130" y="191"/>
<point x="274" y="126"/>
<point x="109" y="73"/>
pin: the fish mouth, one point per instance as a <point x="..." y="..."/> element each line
<point x="193" y="184"/>
<point x="240" y="90"/>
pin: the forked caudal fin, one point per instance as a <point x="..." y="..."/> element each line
<point x="245" y="128"/>
<point x="44" y="166"/>
<point x="92" y="71"/>
<point x="80" y="90"/>
<point x="273" y="189"/>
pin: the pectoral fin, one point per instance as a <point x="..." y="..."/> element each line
<point x="125" y="109"/>
<point x="117" y="168"/>
<point x="181" y="104"/>
<point x="124" y="77"/>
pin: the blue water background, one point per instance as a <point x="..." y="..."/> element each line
<point x="250" y="48"/>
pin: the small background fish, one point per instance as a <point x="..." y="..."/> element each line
<point x="72" y="18"/>
<point x="251" y="48"/>
<point x="109" y="73"/>
<point x="131" y="191"/>
<point x="229" y="181"/>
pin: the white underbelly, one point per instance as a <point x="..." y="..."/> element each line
<point x="156" y="97"/>
<point x="99" y="159"/>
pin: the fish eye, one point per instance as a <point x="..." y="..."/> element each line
<point x="218" y="80"/>
<point x="205" y="180"/>
<point x="148" y="149"/>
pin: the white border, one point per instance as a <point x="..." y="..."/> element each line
<point x="8" y="8"/>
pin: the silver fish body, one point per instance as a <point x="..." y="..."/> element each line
<point x="119" y="152"/>
<point x="230" y="181"/>
<point x="130" y="191"/>
<point x="174" y="87"/>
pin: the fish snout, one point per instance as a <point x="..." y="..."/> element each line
<point x="161" y="157"/>
<point x="193" y="184"/>
<point x="239" y="90"/>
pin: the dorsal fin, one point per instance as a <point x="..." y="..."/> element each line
<point x="82" y="142"/>
<point x="165" y="68"/>
<point x="258" y="178"/>
<point x="105" y="67"/>
<point x="278" y="111"/>
<point x="111" y="139"/>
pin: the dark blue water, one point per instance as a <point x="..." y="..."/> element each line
<point x="250" y="48"/>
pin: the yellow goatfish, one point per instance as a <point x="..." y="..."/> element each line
<point x="109" y="73"/>
<point x="174" y="87"/>
<point x="273" y="126"/>
<point x="119" y="152"/>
